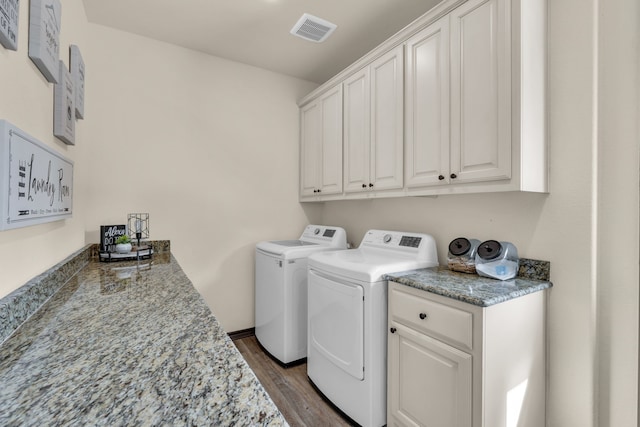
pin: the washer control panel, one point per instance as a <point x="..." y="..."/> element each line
<point x="416" y="244"/>
<point x="410" y="241"/>
<point x="334" y="236"/>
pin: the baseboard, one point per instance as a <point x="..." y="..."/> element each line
<point x="244" y="333"/>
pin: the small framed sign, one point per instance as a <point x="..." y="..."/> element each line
<point x="108" y="236"/>
<point x="9" y="23"/>
<point x="36" y="183"/>
<point x="64" y="113"/>
<point x="77" y="75"/>
<point x="44" y="36"/>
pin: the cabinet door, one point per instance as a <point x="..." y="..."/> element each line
<point x="429" y="382"/>
<point x="427" y="115"/>
<point x="310" y="148"/>
<point x="331" y="142"/>
<point x="357" y="133"/>
<point x="387" y="126"/>
<point x="480" y="91"/>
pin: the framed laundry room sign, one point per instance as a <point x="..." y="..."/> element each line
<point x="44" y="36"/>
<point x="9" y="11"/>
<point x="36" y="183"/>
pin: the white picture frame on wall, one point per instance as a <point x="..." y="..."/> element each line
<point x="9" y="19"/>
<point x="44" y="36"/>
<point x="77" y="75"/>
<point x="64" y="112"/>
<point x="36" y="182"/>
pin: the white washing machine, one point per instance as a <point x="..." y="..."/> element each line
<point x="281" y="289"/>
<point x="347" y="349"/>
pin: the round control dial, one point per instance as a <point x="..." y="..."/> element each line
<point x="316" y="231"/>
<point x="387" y="238"/>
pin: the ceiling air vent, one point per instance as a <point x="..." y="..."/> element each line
<point x="312" y="28"/>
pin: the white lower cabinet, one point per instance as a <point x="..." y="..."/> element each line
<point x="430" y="383"/>
<point x="452" y="364"/>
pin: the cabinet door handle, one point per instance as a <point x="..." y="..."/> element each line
<point x="423" y="315"/>
<point x="392" y="330"/>
<point x="440" y="177"/>
<point x="370" y="185"/>
<point x="453" y="176"/>
<point x="364" y="185"/>
<point x="319" y="190"/>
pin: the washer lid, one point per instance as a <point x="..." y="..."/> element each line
<point x="292" y="243"/>
<point x="314" y="238"/>
<point x="291" y="250"/>
<point x="365" y="265"/>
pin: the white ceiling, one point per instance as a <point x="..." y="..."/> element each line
<point x="256" y="32"/>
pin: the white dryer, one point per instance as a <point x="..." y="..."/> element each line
<point x="281" y="289"/>
<point x="347" y="349"/>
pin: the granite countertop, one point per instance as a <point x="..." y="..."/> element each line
<point x="469" y="288"/>
<point x="128" y="343"/>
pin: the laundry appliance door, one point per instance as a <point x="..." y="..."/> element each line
<point x="336" y="323"/>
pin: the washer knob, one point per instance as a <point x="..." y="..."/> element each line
<point x="386" y="238"/>
<point x="316" y="231"/>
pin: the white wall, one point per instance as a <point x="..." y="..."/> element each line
<point x="618" y="200"/>
<point x="207" y="146"/>
<point x="587" y="226"/>
<point x="26" y="100"/>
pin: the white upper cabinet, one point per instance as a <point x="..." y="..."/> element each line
<point x="357" y="131"/>
<point x="310" y="148"/>
<point x="453" y="103"/>
<point x="321" y="145"/>
<point x="480" y="91"/>
<point x="427" y="100"/>
<point x="459" y="98"/>
<point x="373" y="125"/>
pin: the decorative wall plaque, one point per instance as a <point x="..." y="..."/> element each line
<point x="108" y="236"/>
<point x="36" y="183"/>
<point x="44" y="36"/>
<point x="77" y="75"/>
<point x="64" y="112"/>
<point x="9" y="10"/>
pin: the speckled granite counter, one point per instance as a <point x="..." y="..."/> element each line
<point x="468" y="288"/>
<point x="129" y="343"/>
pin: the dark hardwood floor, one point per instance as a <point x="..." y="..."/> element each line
<point x="290" y="389"/>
